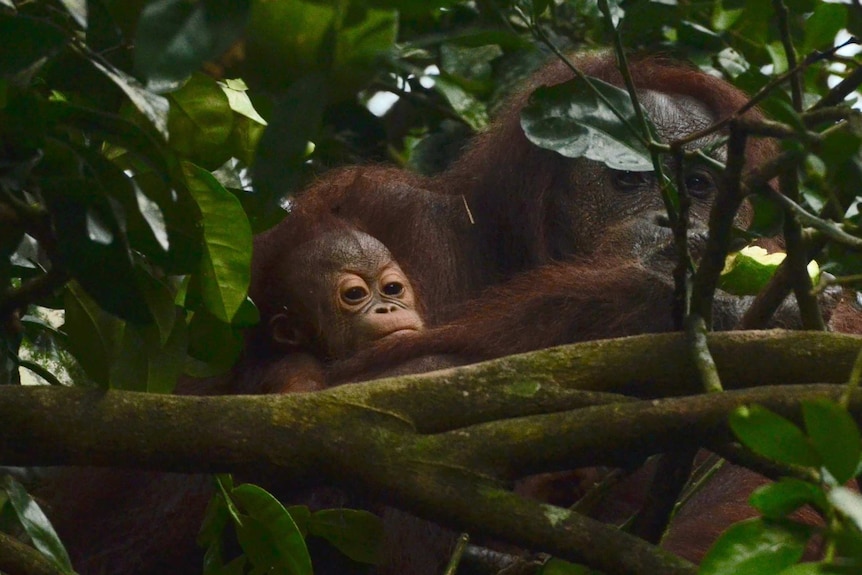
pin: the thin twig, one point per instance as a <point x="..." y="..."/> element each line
<point x="457" y="554"/>
<point x="828" y="229"/>
<point x="696" y="330"/>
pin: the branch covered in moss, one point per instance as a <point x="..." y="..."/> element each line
<point x="490" y="423"/>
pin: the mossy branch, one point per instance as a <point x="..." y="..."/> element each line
<point x="446" y="445"/>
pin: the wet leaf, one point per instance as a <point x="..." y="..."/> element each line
<point x="835" y="436"/>
<point x="755" y="547"/>
<point x="36" y="525"/>
<point x="772" y="436"/>
<point x="573" y="121"/>
<point x="225" y="264"/>
<point x="358" y="534"/>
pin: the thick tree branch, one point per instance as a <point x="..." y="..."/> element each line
<point x="452" y="463"/>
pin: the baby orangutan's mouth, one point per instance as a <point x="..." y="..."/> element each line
<point x="399" y="333"/>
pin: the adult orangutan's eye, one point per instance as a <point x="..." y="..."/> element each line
<point x="700" y="185"/>
<point x="625" y="180"/>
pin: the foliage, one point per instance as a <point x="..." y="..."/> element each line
<point x="829" y="452"/>
<point x="144" y="142"/>
<point x="273" y="537"/>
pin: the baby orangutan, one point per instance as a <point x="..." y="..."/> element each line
<point x="339" y="292"/>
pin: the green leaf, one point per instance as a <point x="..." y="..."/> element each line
<point x="301" y="515"/>
<point x="780" y="499"/>
<point x="697" y="36"/>
<point x="154" y="107"/>
<point x="92" y="334"/>
<point x="768" y="218"/>
<point x="822" y="27"/>
<point x="168" y="207"/>
<point x="809" y="569"/>
<point x="143" y="363"/>
<point x="268" y="534"/>
<point x="539" y="7"/>
<point x="835" y="436"/>
<point x="216" y="519"/>
<point x="112" y="128"/>
<point x="755" y="547"/>
<point x="245" y="138"/>
<point x="175" y="37"/>
<point x="571" y="120"/>
<point x="237" y="97"/>
<point x="470" y="67"/>
<point x="201" y="121"/>
<point x="356" y="533"/>
<point x="225" y="265"/>
<point x="847" y="502"/>
<point x="772" y="436"/>
<point x="36" y="525"/>
<point x="471" y="110"/>
<point x="747" y="271"/>
<point x="26" y="41"/>
<point x="556" y="566"/>
<point x="214" y="346"/>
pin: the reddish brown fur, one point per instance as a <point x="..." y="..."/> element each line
<point x="266" y="366"/>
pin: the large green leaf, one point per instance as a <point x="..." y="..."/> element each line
<point x="201" y="121"/>
<point x="772" y="436"/>
<point x="93" y="334"/>
<point x="214" y="346"/>
<point x="182" y="222"/>
<point x="356" y="533"/>
<point x="835" y="436"/>
<point x="469" y="108"/>
<point x="176" y="36"/>
<point x="780" y="499"/>
<point x="36" y="525"/>
<point x="268" y="534"/>
<point x="144" y="363"/>
<point x="152" y="106"/>
<point x="225" y="265"/>
<point x="811" y="569"/>
<point x="822" y="27"/>
<point x="573" y="121"/>
<point x="755" y="547"/>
